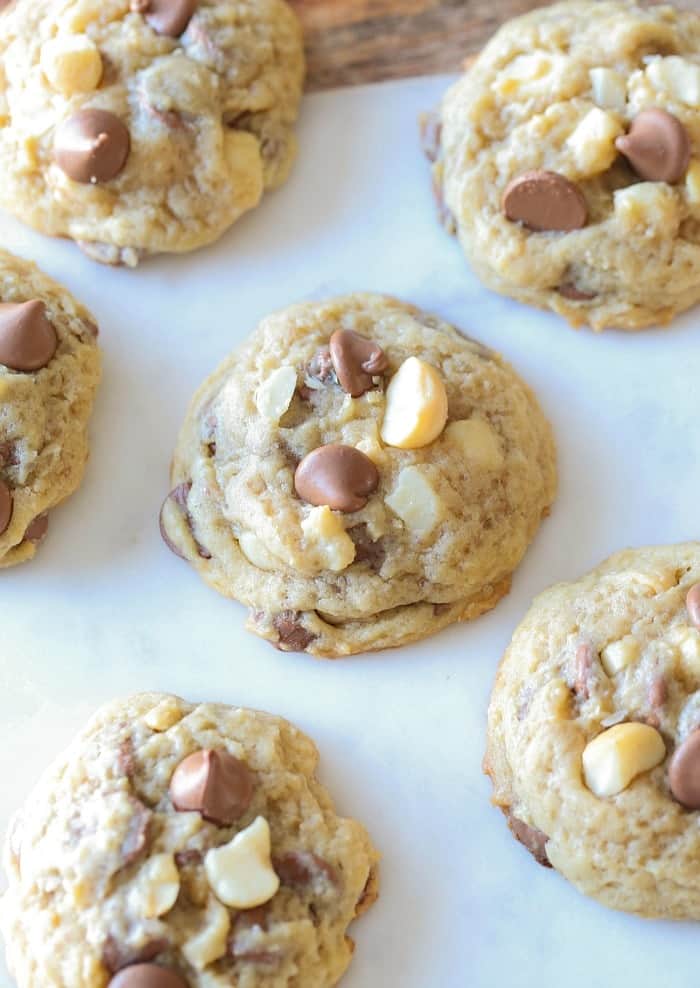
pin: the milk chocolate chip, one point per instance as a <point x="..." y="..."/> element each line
<point x="293" y="636"/>
<point x="692" y="603"/>
<point x="169" y="17"/>
<point x="92" y="146"/>
<point x="213" y="783"/>
<point x="684" y="772"/>
<point x="28" y="341"/>
<point x="5" y="506"/>
<point x="356" y="361"/>
<point x="657" y="146"/>
<point x="340" y="476"/>
<point x="147" y="976"/>
<point x="543" y="200"/>
<point x="37" y="529"/>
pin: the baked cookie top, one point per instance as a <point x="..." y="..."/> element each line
<point x="359" y="474"/>
<point x="145" y="126"/>
<point x="49" y="370"/>
<point x="176" y="845"/>
<point x="594" y="731"/>
<point x="569" y="161"/>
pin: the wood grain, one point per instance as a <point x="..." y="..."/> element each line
<point x="354" y="41"/>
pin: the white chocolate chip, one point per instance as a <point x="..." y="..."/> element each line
<point x="164" y="715"/>
<point x="414" y="500"/>
<point x="371" y="445"/>
<point x="256" y="552"/>
<point x="617" y="756"/>
<point x="477" y="442"/>
<point x="274" y="395"/>
<point x="242" y="153"/>
<point x="331" y="544"/>
<point x="156" y="886"/>
<point x="416" y="406"/>
<point x="692" y="182"/>
<point x="652" y="205"/>
<point x="592" y="143"/>
<point x="609" y="89"/>
<point x="687" y="640"/>
<point x="210" y="943"/>
<point x="619" y="654"/>
<point x="240" y="873"/>
<point x="71" y="63"/>
<point x="677" y="76"/>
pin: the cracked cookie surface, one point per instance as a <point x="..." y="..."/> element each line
<point x="109" y="883"/>
<point x="354" y="523"/>
<point x="561" y="91"/>
<point x="593" y="741"/>
<point x="204" y="105"/>
<point x="50" y="342"/>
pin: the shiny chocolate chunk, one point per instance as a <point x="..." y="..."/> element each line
<point x="28" y="341"/>
<point x="92" y="146"/>
<point x="147" y="976"/>
<point x="5" y="506"/>
<point x="356" y="361"/>
<point x="657" y="146"/>
<point x="214" y="783"/>
<point x="168" y="17"/>
<point x="293" y="636"/>
<point x="340" y="476"/>
<point x="545" y="201"/>
<point x="684" y="772"/>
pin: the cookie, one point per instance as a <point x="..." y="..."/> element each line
<point x="359" y="475"/>
<point x="594" y="731"/>
<point x="49" y="370"/>
<point x="145" y="126"/>
<point x="176" y="845"/>
<point x="567" y="160"/>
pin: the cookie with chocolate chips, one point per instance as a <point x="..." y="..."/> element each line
<point x="594" y="731"/>
<point x="176" y="845"/>
<point x="49" y="370"/>
<point x="145" y="126"/>
<point x="567" y="161"/>
<point x="359" y="475"/>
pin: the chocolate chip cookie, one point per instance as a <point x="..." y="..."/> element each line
<point x="359" y="475"/>
<point x="49" y="370"/>
<point x="567" y="160"/>
<point x="594" y="731"/>
<point x="145" y="126"/>
<point x="176" y="845"/>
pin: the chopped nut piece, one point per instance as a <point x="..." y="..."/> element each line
<point x="593" y="142"/>
<point x="240" y="873"/>
<point x="617" y="756"/>
<point x="164" y="715"/>
<point x="210" y="943"/>
<point x="618" y="655"/>
<point x="415" y="501"/>
<point x="71" y="63"/>
<point x="646" y="204"/>
<point x="477" y="441"/>
<point x="276" y="392"/>
<point x="416" y="406"/>
<point x="331" y="544"/>
<point x="156" y="886"/>
<point x="609" y="89"/>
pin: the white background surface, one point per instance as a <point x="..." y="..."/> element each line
<point x="105" y="609"/>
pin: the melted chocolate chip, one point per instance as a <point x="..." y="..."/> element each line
<point x="293" y="636"/>
<point x="531" y="838"/>
<point x="92" y="146"/>
<point x="136" y="839"/>
<point x="37" y="530"/>
<point x="28" y="341"/>
<point x="178" y="496"/>
<point x="147" y="976"/>
<point x="116" y="955"/>
<point x="684" y="772"/>
<point x="341" y="477"/>
<point x="168" y="17"/>
<point x="585" y="657"/>
<point x="367" y="550"/>
<point x="356" y="360"/>
<point x="5" y="507"/>
<point x="545" y="201"/>
<point x="215" y="783"/>
<point x="304" y="869"/>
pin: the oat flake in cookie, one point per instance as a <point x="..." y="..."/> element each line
<point x="49" y="370"/>
<point x="176" y="845"/>
<point x="359" y="475"/>
<point x="594" y="731"/>
<point x="140" y="126"/>
<point x="567" y="160"/>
